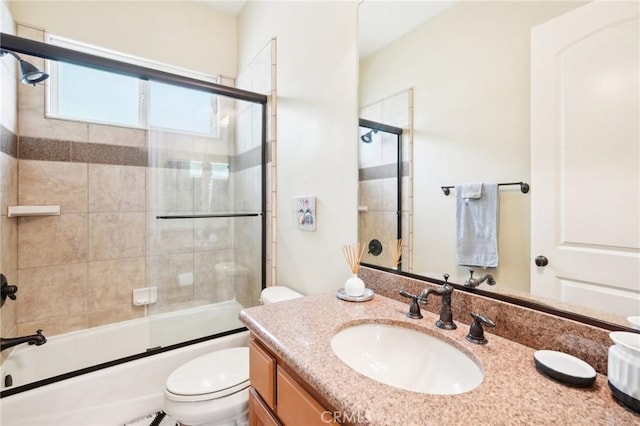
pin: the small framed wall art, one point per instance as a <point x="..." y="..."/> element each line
<point x="304" y="213"/>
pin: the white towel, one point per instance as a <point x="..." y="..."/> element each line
<point x="477" y="226"/>
<point x="469" y="190"/>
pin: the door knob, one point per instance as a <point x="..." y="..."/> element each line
<point x="541" y="261"/>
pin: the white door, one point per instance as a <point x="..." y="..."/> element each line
<point x="585" y="156"/>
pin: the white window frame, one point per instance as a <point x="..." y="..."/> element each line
<point x="51" y="94"/>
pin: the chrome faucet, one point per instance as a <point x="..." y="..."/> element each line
<point x="446" y="316"/>
<point x="35" y="339"/>
<point x="474" y="282"/>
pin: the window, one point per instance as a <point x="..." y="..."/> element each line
<point x="86" y="94"/>
<point x="178" y="108"/>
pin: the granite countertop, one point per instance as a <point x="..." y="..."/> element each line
<point x="513" y="392"/>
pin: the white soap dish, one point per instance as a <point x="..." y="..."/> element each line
<point x="565" y="368"/>
<point x="630" y="341"/>
<point x="367" y="295"/>
<point x="635" y="321"/>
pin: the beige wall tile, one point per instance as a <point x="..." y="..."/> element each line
<point x="9" y="98"/>
<point x="212" y="281"/>
<point x="54" y="326"/>
<point x="116" y="235"/>
<point x="9" y="317"/>
<point x="53" y="182"/>
<point x="114" y="315"/>
<point x="111" y="283"/>
<point x="169" y="189"/>
<point x="173" y="274"/>
<point x="52" y="240"/>
<point x="114" y="135"/>
<point x="389" y="227"/>
<point x="389" y="148"/>
<point x="51" y="292"/>
<point x="211" y="195"/>
<point x="370" y="227"/>
<point x="165" y="147"/>
<point x="390" y="194"/>
<point x="209" y="146"/>
<point x="116" y="188"/>
<point x="9" y="248"/>
<point x="30" y="32"/>
<point x="170" y="235"/>
<point x="213" y="234"/>
<point x="32" y="121"/>
<point x="370" y="194"/>
<point x="8" y="182"/>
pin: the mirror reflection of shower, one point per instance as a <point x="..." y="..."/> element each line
<point x="367" y="138"/>
<point x="380" y="193"/>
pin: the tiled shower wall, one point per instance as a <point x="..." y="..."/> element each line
<point x="260" y="76"/>
<point x="378" y="182"/>
<point x="8" y="175"/>
<point x="78" y="270"/>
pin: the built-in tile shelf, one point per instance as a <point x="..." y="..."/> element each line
<point x="52" y="210"/>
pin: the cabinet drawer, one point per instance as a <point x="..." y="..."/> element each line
<point x="262" y="373"/>
<point x="259" y="412"/>
<point x="296" y="407"/>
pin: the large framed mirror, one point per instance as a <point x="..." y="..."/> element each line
<point x="493" y="86"/>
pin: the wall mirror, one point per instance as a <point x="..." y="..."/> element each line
<point x="485" y="88"/>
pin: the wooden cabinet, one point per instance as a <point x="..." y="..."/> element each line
<point x="262" y="370"/>
<point x="296" y="406"/>
<point x="277" y="396"/>
<point x="259" y="413"/>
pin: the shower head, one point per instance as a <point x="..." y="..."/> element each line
<point x="367" y="138"/>
<point x="30" y="73"/>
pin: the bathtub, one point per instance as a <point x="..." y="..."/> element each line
<point x="122" y="392"/>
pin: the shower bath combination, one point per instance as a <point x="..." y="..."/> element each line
<point x="205" y="279"/>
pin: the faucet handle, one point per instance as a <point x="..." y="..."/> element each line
<point x="471" y="282"/>
<point x="414" y="308"/>
<point x="476" y="332"/>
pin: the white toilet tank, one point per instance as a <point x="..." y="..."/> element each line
<point x="277" y="293"/>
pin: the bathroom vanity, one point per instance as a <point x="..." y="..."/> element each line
<point x="294" y="372"/>
<point x="273" y="380"/>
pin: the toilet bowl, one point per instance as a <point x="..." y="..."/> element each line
<point x="214" y="389"/>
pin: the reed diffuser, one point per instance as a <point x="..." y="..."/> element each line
<point x="396" y="253"/>
<point x="354" y="286"/>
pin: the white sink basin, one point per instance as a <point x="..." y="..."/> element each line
<point x="406" y="359"/>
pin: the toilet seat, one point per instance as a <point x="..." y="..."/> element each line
<point x="212" y="376"/>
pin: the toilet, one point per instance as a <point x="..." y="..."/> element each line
<point x="214" y="389"/>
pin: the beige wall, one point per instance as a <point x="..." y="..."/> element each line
<point x="469" y="68"/>
<point x="186" y="34"/>
<point x="316" y="152"/>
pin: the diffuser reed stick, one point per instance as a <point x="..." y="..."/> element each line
<point x="352" y="254"/>
<point x="396" y="252"/>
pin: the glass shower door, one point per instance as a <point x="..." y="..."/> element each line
<point x="204" y="207"/>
